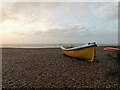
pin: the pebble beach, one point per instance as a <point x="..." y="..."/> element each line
<point x="49" y="68"/>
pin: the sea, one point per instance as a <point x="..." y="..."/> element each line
<point x="35" y="45"/>
<point x="44" y="45"/>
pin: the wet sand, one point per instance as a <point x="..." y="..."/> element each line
<point x="48" y="68"/>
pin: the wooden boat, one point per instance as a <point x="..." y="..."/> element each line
<point x="85" y="52"/>
<point x="112" y="52"/>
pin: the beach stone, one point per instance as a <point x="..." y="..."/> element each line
<point x="48" y="68"/>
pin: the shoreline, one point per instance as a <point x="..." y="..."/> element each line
<point x="46" y="47"/>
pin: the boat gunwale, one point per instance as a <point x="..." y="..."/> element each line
<point x="77" y="48"/>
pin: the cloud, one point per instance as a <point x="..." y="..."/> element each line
<point x="64" y="32"/>
<point x="26" y="11"/>
<point x="32" y="11"/>
<point x="106" y="11"/>
<point x="19" y="33"/>
<point x="54" y="22"/>
<point x="22" y="11"/>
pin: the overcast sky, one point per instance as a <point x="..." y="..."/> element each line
<point x="59" y="22"/>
